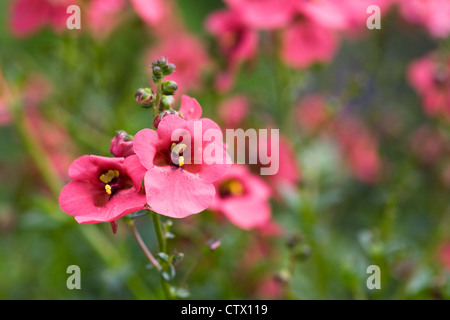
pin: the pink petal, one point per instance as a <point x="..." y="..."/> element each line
<point x="88" y="167"/>
<point x="28" y="16"/>
<point x="170" y="125"/>
<point x="145" y="143"/>
<point x="190" y="108"/>
<point x="136" y="171"/>
<point x="246" y="213"/>
<point x="151" y="11"/>
<point x="264" y="14"/>
<point x="233" y="110"/>
<point x="305" y="43"/>
<point x="120" y="204"/>
<point x="176" y="193"/>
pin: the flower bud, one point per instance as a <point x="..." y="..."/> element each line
<point x="144" y="96"/>
<point x="161" y="68"/>
<point x="162" y="115"/>
<point x="167" y="101"/>
<point x="169" y="87"/>
<point x="122" y="144"/>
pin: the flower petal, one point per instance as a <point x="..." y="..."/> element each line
<point x="135" y="170"/>
<point x="190" y="108"/>
<point x="246" y="213"/>
<point x="145" y="143"/>
<point x="176" y="193"/>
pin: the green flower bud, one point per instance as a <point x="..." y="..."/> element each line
<point x="144" y="96"/>
<point x="169" y="87"/>
<point x="167" y="101"/>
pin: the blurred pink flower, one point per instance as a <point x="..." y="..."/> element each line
<point x="237" y="42"/>
<point x="264" y="14"/>
<point x="432" y="14"/>
<point x="269" y="288"/>
<point x="189" y="56"/>
<point x="431" y="79"/>
<point x="103" y="189"/>
<point x="243" y="198"/>
<point x="306" y="42"/>
<point x="52" y="137"/>
<point x="233" y="110"/>
<point x="444" y="255"/>
<point x="177" y="186"/>
<point x="311" y="113"/>
<point x="359" y="148"/>
<point x="29" y="16"/>
<point x="103" y="16"/>
<point x="151" y="12"/>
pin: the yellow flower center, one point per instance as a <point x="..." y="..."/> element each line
<point x="107" y="177"/>
<point x="177" y="153"/>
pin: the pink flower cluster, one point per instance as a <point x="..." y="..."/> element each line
<point x="150" y="170"/>
<point x="307" y="30"/>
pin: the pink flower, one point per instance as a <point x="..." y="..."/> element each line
<point x="188" y="54"/>
<point x="233" y="110"/>
<point x="306" y="42"/>
<point x="343" y="15"/>
<point x="29" y="16"/>
<point x="53" y="139"/>
<point x="236" y="41"/>
<point x="432" y="14"/>
<point x="243" y="198"/>
<point x="176" y="184"/>
<point x="122" y="145"/>
<point x="311" y="113"/>
<point x="359" y="148"/>
<point x="103" y="189"/>
<point x="103" y="16"/>
<point x="151" y="12"/>
<point x="264" y="14"/>
<point x="431" y="79"/>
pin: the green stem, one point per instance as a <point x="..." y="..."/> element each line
<point x="162" y="248"/>
<point x="144" y="248"/>
<point x="158" y="95"/>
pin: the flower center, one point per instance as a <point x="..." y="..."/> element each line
<point x="176" y="153"/>
<point x="231" y="187"/>
<point x="109" y="178"/>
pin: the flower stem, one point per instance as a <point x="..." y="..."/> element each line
<point x="158" y="95"/>
<point x="144" y="248"/>
<point x="162" y="248"/>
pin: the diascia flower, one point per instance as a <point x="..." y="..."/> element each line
<point x="29" y="16"/>
<point x="243" y="198"/>
<point x="103" y="189"/>
<point x="430" y="77"/>
<point x="432" y="14"/>
<point x="176" y="184"/>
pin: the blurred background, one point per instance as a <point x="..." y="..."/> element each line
<point x="364" y="152"/>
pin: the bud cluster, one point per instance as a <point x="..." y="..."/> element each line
<point x="161" y="68"/>
<point x="162" y="100"/>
